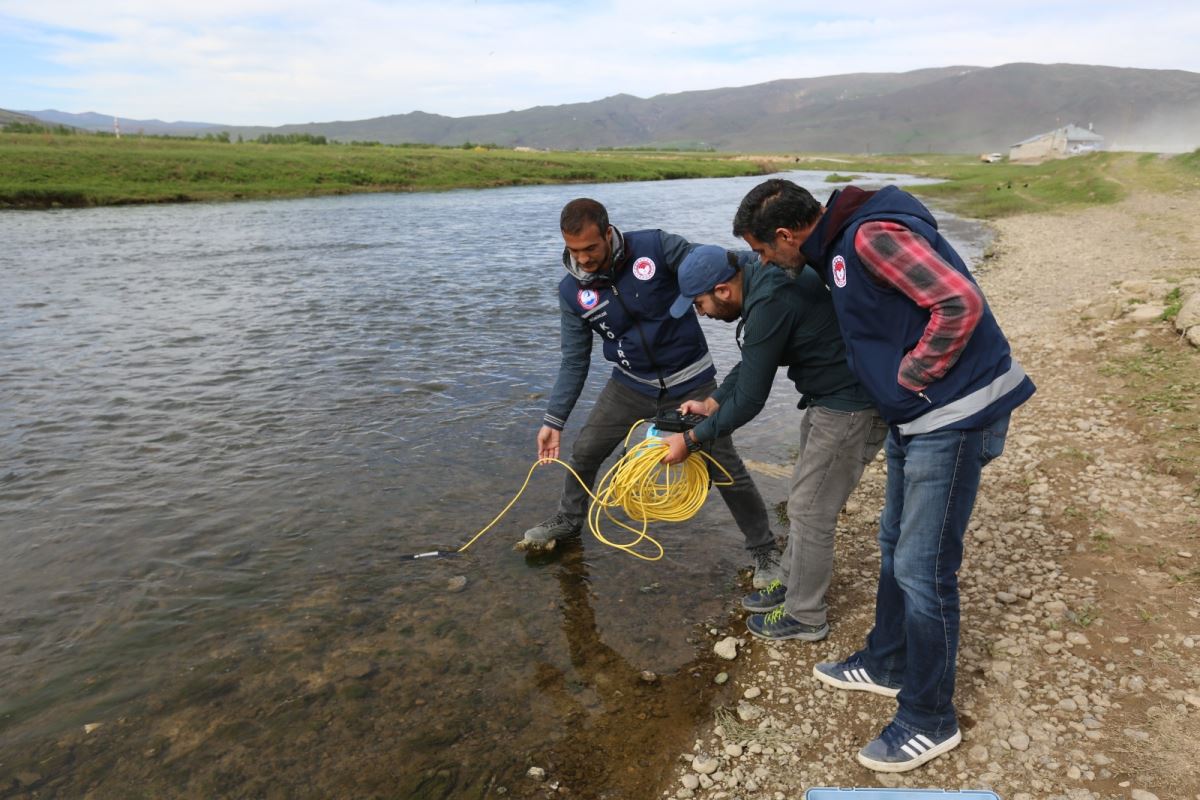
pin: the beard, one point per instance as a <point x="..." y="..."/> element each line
<point x="792" y="272"/>
<point x="725" y="311"/>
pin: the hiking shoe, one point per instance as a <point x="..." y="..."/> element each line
<point x="778" y="624"/>
<point x="543" y="535"/>
<point x="766" y="566"/>
<point x="765" y="599"/>
<point x="851" y="674"/>
<point x="898" y="749"/>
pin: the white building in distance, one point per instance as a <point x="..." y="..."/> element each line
<point x="1070" y="140"/>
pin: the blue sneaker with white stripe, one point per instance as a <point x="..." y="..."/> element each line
<point x="765" y="599"/>
<point x="898" y="749"/>
<point x="851" y="674"/>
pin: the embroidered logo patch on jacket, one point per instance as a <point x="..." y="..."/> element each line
<point x="839" y="271"/>
<point x="643" y="269"/>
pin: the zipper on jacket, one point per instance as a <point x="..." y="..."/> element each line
<point x="662" y="383"/>
<point x="924" y="397"/>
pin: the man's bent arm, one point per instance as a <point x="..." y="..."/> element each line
<point x="675" y="249"/>
<point x="576" y="345"/>
<point x="722" y="392"/>
<point x="906" y="261"/>
<point x="745" y="390"/>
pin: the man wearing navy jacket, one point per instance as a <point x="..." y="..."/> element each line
<point x="620" y="287"/>
<point x="921" y="338"/>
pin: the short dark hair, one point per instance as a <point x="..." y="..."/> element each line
<point x="579" y="213"/>
<point x="774" y="204"/>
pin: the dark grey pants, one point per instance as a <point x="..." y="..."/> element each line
<point x="616" y="409"/>
<point x="835" y="448"/>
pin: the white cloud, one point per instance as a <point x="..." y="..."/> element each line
<point x="271" y="61"/>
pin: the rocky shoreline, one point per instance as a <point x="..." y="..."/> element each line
<point x="1079" y="670"/>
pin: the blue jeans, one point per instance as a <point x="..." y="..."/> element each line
<point x="932" y="480"/>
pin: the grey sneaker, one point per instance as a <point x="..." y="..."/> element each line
<point x="544" y="535"/>
<point x="766" y="566"/>
<point x="778" y="624"/>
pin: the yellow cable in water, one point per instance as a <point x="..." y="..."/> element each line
<point x="643" y="487"/>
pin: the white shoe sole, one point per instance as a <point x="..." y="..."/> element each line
<point x="855" y="682"/>
<point x="905" y="766"/>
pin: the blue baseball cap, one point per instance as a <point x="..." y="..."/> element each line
<point x="701" y="270"/>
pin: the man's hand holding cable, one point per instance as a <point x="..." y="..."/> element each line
<point x="548" y="440"/>
<point x="677" y="448"/>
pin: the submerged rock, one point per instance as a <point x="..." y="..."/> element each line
<point x="28" y="778"/>
<point x="358" y="668"/>
<point x="534" y="547"/>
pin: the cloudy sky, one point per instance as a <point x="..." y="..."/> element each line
<point x="278" y="61"/>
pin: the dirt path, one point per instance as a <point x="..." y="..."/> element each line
<point x="1079" y="671"/>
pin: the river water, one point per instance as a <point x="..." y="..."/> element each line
<point x="223" y="426"/>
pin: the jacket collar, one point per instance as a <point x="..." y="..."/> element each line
<point x="840" y="210"/>
<point x="616" y="241"/>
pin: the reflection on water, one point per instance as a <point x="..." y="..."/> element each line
<point x="222" y="428"/>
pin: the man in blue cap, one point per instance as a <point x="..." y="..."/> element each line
<point x="785" y="323"/>
<point x="618" y="288"/>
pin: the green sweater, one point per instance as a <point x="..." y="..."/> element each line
<point x="788" y="323"/>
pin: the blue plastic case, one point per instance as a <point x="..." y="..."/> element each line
<point x="899" y="794"/>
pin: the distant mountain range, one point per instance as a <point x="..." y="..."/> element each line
<point x="91" y="121"/>
<point x="948" y="109"/>
<point x="12" y="116"/>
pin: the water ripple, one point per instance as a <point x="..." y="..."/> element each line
<point x="222" y="424"/>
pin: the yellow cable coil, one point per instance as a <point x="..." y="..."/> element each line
<point x="644" y="488"/>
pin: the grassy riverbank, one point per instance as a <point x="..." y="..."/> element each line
<point x="46" y="170"/>
<point x="43" y="170"/>
<point x="990" y="191"/>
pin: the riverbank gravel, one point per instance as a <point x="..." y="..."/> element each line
<point x="1079" y="668"/>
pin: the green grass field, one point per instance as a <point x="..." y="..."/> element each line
<point x="44" y="170"/>
<point x="985" y="191"/>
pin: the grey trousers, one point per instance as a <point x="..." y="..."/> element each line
<point x="835" y="448"/>
<point x="616" y="409"/>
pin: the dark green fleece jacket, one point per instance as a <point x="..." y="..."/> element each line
<point x="790" y="323"/>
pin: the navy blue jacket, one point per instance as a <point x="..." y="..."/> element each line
<point x="651" y="351"/>
<point x="880" y="325"/>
